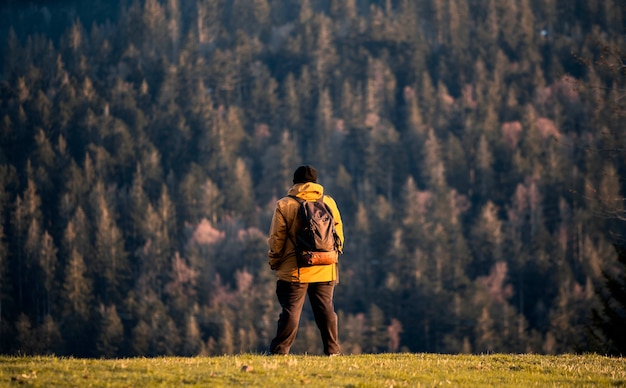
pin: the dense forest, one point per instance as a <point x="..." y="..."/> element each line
<point x="475" y="149"/>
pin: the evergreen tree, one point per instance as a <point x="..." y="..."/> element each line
<point x="569" y="318"/>
<point x="278" y="161"/>
<point x="4" y="287"/>
<point x="434" y="168"/>
<point x="77" y="237"/>
<point x="226" y="341"/>
<point x="376" y="335"/>
<point x="484" y="169"/>
<point x="26" y="341"/>
<point x="110" y="264"/>
<point x="111" y="332"/>
<point x="26" y="224"/>
<point x="486" y="337"/>
<point x="487" y="239"/>
<point x="610" y="316"/>
<point x="181" y="290"/>
<point x="48" y="336"/>
<point x="77" y="289"/>
<point x="140" y="344"/>
<point x="192" y="341"/>
<point x="48" y="262"/>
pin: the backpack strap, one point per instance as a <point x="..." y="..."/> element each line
<point x="300" y="200"/>
<point x="294" y="219"/>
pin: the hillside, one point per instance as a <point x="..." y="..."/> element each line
<point x="475" y="150"/>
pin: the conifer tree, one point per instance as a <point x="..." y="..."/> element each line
<point x="111" y="332"/>
<point x="486" y="337"/>
<point x="4" y="285"/>
<point x="26" y="223"/>
<point x="484" y="169"/>
<point x="140" y="341"/>
<point x="77" y="237"/>
<point x="278" y="161"/>
<point x="610" y="316"/>
<point x="226" y="341"/>
<point x="376" y="335"/>
<point x="26" y="341"/>
<point x="192" y="342"/>
<point x="154" y="34"/>
<point x="48" y="263"/>
<point x="77" y="290"/>
<point x="487" y="239"/>
<point x="48" y="336"/>
<point x="291" y="117"/>
<point x="110" y="264"/>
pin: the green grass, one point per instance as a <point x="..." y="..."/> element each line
<point x="373" y="370"/>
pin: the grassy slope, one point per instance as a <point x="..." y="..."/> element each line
<point x="381" y="370"/>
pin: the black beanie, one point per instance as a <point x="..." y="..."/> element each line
<point x="305" y="174"/>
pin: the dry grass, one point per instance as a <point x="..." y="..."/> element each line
<point x="379" y="370"/>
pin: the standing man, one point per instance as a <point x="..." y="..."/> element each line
<point x="294" y="282"/>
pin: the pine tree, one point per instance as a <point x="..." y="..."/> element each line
<point x="209" y="21"/>
<point x="434" y="167"/>
<point x="376" y="335"/>
<point x="609" y="318"/>
<point x="484" y="169"/>
<point x="264" y="96"/>
<point x="351" y="332"/>
<point x="570" y="316"/>
<point x="192" y="341"/>
<point x="4" y="287"/>
<point x="324" y="55"/>
<point x="226" y="341"/>
<point x="26" y="340"/>
<point x="320" y="144"/>
<point x="181" y="290"/>
<point x="48" y="263"/>
<point x="156" y="235"/>
<point x="486" y="337"/>
<point x="77" y="237"/>
<point x="487" y="239"/>
<point x="77" y="290"/>
<point x="110" y="263"/>
<point x="251" y="16"/>
<point x="26" y="226"/>
<point x="460" y="31"/>
<point x="278" y="161"/>
<point x="111" y="332"/>
<point x="140" y="343"/>
<point x="174" y="26"/>
<point x="291" y="108"/>
<point x="48" y="336"/>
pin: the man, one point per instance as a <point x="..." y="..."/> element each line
<point x="294" y="283"/>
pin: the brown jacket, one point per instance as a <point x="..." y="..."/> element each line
<point x="282" y="252"/>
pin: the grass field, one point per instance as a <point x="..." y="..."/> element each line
<point x="379" y="370"/>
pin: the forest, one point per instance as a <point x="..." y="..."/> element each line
<point x="475" y="149"/>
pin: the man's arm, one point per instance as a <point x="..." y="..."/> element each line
<point x="277" y="237"/>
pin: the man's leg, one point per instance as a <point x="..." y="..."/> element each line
<point x="321" y="298"/>
<point x="291" y="298"/>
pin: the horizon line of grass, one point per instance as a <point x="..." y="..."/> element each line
<point x="366" y="370"/>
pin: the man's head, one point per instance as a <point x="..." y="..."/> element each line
<point x="305" y="174"/>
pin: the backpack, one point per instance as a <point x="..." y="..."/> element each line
<point x="316" y="238"/>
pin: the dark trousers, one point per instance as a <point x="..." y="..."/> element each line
<point x="291" y="298"/>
